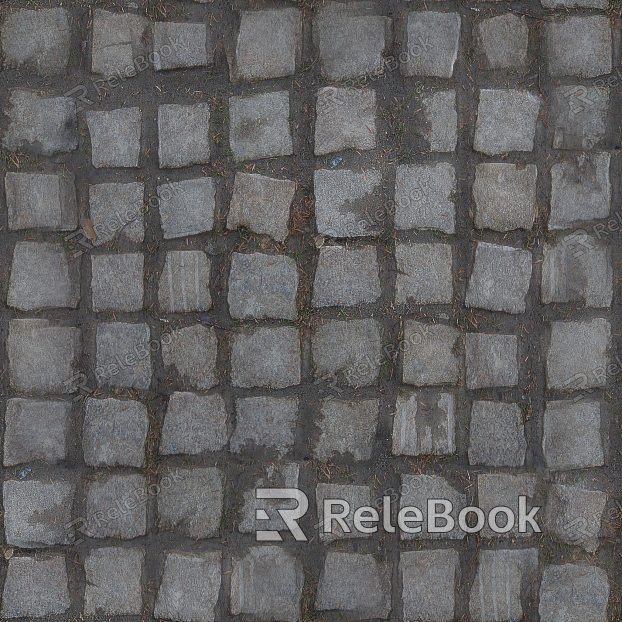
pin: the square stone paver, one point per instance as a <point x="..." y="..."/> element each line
<point x="432" y="41"/>
<point x="356" y="584"/>
<point x="35" y="588"/>
<point x="181" y="45"/>
<point x="36" y="430"/>
<point x="346" y="276"/>
<point x="578" y="46"/>
<point x="504" y="40"/>
<point x="38" y="41"/>
<point x="261" y="204"/>
<point x="268" y="44"/>
<point x="183" y="134"/>
<point x="115" y="137"/>
<point x="577" y="356"/>
<point x="42" y="276"/>
<point x="346" y="427"/>
<point x="41" y="201"/>
<point x="187" y="207"/>
<point x="192" y="351"/>
<point x="268" y="422"/>
<point x="117" y="282"/>
<point x="259" y="126"/>
<point x="347" y="202"/>
<point x="500" y="278"/>
<point x="345" y="118"/>
<point x="506" y="121"/>
<point x="497" y="435"/>
<point x="113" y="581"/>
<point x="266" y="357"/>
<point x="424" y="197"/>
<point x="349" y="351"/>
<point x="424" y="424"/>
<point x="429" y="354"/>
<point x="491" y="360"/>
<point x="262" y="286"/>
<point x="194" y="424"/>
<point x="115" y="432"/>
<point x="424" y="273"/>
<point x="355" y="496"/>
<point x="505" y="196"/>
<point x="36" y="513"/>
<point x="184" y="282"/>
<point x="190" y="587"/>
<point x="267" y="583"/>
<point x="117" y="209"/>
<point x="441" y="120"/>
<point x="42" y="356"/>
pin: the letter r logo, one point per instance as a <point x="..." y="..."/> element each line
<point x="290" y="517"/>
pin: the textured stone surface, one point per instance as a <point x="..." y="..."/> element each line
<point x="183" y="134"/>
<point x="504" y="40"/>
<point x="184" y="282"/>
<point x="117" y="282"/>
<point x="424" y="273"/>
<point x="117" y="209"/>
<point x="115" y="137"/>
<point x="355" y="496"/>
<point x="181" y="45"/>
<point x="442" y="120"/>
<point x="187" y="207"/>
<point x="491" y="360"/>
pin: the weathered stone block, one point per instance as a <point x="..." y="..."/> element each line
<point x="117" y="282"/>
<point x="491" y="360"/>
<point x="441" y="120"/>
<point x="183" y="134"/>
<point x="504" y="40"/>
<point x="181" y="45"/>
<point x="115" y="137"/>
<point x="424" y="273"/>
<point x="184" y="282"/>
<point x="355" y="496"/>
<point x="117" y="209"/>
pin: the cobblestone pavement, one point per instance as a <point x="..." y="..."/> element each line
<point x="365" y="250"/>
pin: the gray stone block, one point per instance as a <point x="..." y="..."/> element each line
<point x="432" y="44"/>
<point x="116" y="507"/>
<point x="262" y="286"/>
<point x="115" y="137"/>
<point x="491" y="360"/>
<point x="113" y="581"/>
<point x="346" y="276"/>
<point x="180" y="45"/>
<point x="345" y="119"/>
<point x="578" y="46"/>
<point x="36" y="514"/>
<point x="497" y="435"/>
<point x="184" y="282"/>
<point x="192" y="351"/>
<point x="424" y="197"/>
<point x="577" y="356"/>
<point x="355" y="496"/>
<point x="572" y="435"/>
<point x="261" y="204"/>
<point x="424" y="273"/>
<point x="351" y="350"/>
<point x="265" y="422"/>
<point x="346" y="202"/>
<point x="416" y="490"/>
<point x="183" y="134"/>
<point x="37" y="41"/>
<point x="36" y="430"/>
<point x="429" y="580"/>
<point x="346" y="427"/>
<point x="267" y="584"/>
<point x="259" y="126"/>
<point x="35" y="588"/>
<point x="190" y="587"/>
<point x="268" y="44"/>
<point x="441" y="121"/>
<point x="193" y="505"/>
<point x="187" y="207"/>
<point x="194" y="424"/>
<point x="266" y="357"/>
<point x="350" y="39"/>
<point x="117" y="282"/>
<point x="117" y="209"/>
<point x="356" y="584"/>
<point x="579" y="116"/>
<point x="115" y="432"/>
<point x="574" y="515"/>
<point x="506" y="121"/>
<point x="41" y="123"/>
<point x="42" y="275"/>
<point x="41" y="201"/>
<point x="429" y="354"/>
<point x="42" y="356"/>
<point x="500" y="278"/>
<point x="505" y="196"/>
<point x="575" y="593"/>
<point x="504" y="40"/>
<point x="123" y="355"/>
<point x="580" y="190"/>
<point x="424" y="424"/>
